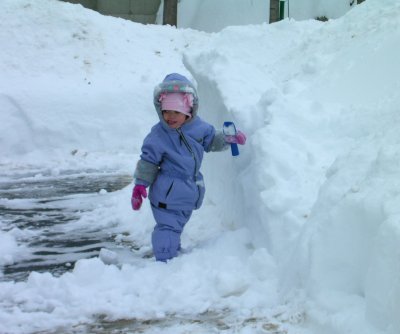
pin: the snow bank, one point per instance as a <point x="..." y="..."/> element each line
<point x="323" y="154"/>
<point x="348" y="245"/>
<point x="74" y="81"/>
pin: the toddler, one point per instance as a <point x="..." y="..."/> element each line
<point x="170" y="162"/>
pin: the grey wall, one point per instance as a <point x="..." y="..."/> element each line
<point x="143" y="11"/>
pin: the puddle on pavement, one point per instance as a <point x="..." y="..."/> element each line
<point x="47" y="211"/>
<point x="46" y="186"/>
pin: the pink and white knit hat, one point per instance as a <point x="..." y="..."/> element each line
<point x="181" y="102"/>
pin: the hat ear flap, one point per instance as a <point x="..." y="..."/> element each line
<point x="188" y="99"/>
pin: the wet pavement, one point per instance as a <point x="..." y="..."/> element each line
<point x="41" y="205"/>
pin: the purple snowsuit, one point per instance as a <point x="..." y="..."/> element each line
<point x="170" y="163"/>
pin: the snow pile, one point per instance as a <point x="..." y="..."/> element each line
<point x="324" y="152"/>
<point x="9" y="248"/>
<point x="86" y="73"/>
<point x="303" y="222"/>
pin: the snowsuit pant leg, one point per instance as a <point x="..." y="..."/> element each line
<point x="166" y="237"/>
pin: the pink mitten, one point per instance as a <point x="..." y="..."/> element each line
<point x="138" y="192"/>
<point x="239" y="138"/>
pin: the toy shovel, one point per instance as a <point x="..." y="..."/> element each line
<point x="229" y="129"/>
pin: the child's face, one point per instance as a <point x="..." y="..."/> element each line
<point x="174" y="119"/>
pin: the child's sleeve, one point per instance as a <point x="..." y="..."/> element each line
<point x="215" y="141"/>
<point x="148" y="166"/>
<point x="145" y="172"/>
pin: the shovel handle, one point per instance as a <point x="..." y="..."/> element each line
<point x="229" y="129"/>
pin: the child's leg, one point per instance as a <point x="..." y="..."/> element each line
<point x="166" y="237"/>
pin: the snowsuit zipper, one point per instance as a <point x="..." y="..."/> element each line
<point x="194" y="158"/>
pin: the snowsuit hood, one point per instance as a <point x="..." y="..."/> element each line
<point x="175" y="83"/>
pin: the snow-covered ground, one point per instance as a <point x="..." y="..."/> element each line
<point x="298" y="234"/>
